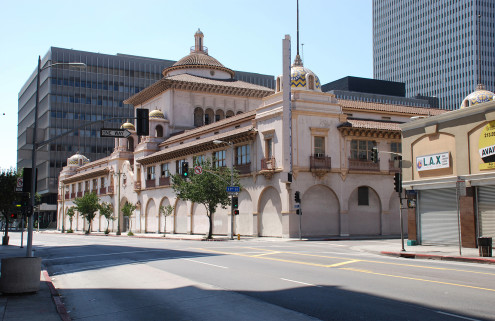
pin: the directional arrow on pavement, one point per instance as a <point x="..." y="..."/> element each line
<point x="111" y="132"/>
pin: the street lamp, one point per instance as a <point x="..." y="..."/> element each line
<point x="119" y="173"/>
<point x="29" y="251"/>
<point x="62" y="189"/>
<point x="231" y="184"/>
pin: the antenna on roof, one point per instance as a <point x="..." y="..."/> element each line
<point x="479" y="51"/>
<point x="297" y="60"/>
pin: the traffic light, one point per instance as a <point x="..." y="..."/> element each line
<point x="297" y="197"/>
<point x="235" y="202"/>
<point x="236" y="212"/>
<point x="142" y="122"/>
<point x="185" y="169"/>
<point x="398" y="182"/>
<point x="374" y="155"/>
<point x="13" y="216"/>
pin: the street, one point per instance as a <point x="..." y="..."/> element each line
<point x="123" y="278"/>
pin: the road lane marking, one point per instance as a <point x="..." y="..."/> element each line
<point x="219" y="266"/>
<point x="343" y="263"/>
<point x="457" y="316"/>
<point x="299" y="282"/>
<point x="418" y="279"/>
<point x="263" y="254"/>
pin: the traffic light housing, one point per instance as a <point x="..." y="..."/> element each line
<point x="297" y="197"/>
<point x="235" y="202"/>
<point x="185" y="169"/>
<point x="374" y="155"/>
<point x="142" y="122"/>
<point x="236" y="212"/>
<point x="398" y="182"/>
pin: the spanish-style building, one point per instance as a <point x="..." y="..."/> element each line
<point x="449" y="172"/>
<point x="325" y="143"/>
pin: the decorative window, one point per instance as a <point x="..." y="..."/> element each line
<point x="319" y="146"/>
<point x="198" y="160"/>
<point x="130" y="144"/>
<point x="219" y="115"/>
<point x="159" y="131"/>
<point x="229" y="113"/>
<point x="164" y="170"/>
<point x="86" y="186"/>
<point x="362" y="149"/>
<point x="198" y="117"/>
<point x="243" y="155"/>
<point x="395" y="147"/>
<point x="150" y="172"/>
<point x="311" y="80"/>
<point x="102" y="182"/>
<point x="268" y="147"/>
<point x="79" y="187"/>
<point x="95" y="183"/>
<point x="219" y="158"/>
<point x="363" y="196"/>
<point x="209" y="116"/>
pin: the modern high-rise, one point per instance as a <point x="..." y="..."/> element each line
<point x="70" y="98"/>
<point x="433" y="47"/>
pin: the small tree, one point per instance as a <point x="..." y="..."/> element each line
<point x="208" y="188"/>
<point x="88" y="205"/>
<point x="8" y="181"/>
<point x="166" y="211"/>
<point x="128" y="210"/>
<point x="70" y="213"/>
<point x="106" y="209"/>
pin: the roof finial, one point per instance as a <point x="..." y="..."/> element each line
<point x="479" y="52"/>
<point x="297" y="60"/>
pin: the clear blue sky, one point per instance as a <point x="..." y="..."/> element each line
<point x="242" y="34"/>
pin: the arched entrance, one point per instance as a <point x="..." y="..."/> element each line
<point x="200" y="222"/>
<point x="151" y="218"/>
<point x="244" y="221"/>
<point x="321" y="212"/>
<point x="270" y="218"/>
<point x="364" y="212"/>
<point x="181" y="217"/>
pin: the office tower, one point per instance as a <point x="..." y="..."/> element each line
<point x="433" y="47"/>
<point x="70" y="98"/>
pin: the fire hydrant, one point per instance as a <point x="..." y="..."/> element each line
<point x="238" y="237"/>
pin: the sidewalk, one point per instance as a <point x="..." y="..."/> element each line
<point x="40" y="306"/>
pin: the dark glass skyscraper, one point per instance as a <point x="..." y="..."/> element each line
<point x="432" y="46"/>
<point x="71" y="98"/>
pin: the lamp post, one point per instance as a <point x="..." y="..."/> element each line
<point x="118" y="174"/>
<point x="62" y="188"/>
<point x="231" y="145"/>
<point x="29" y="251"/>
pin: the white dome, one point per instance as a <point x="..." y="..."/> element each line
<point x="302" y="78"/>
<point x="77" y="159"/>
<point x="480" y="95"/>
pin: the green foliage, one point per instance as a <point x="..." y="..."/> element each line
<point x="106" y="209"/>
<point x="8" y="196"/>
<point x="208" y="188"/>
<point x="166" y="211"/>
<point x="127" y="210"/>
<point x="70" y="213"/>
<point x="88" y="205"/>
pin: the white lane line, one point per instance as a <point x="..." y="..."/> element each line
<point x="103" y="254"/>
<point x="457" y="316"/>
<point x="303" y="283"/>
<point x="219" y="266"/>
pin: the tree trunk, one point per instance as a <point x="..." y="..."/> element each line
<point x="89" y="227"/>
<point x="210" y="230"/>
<point x="5" y="239"/>
<point x="70" y="221"/>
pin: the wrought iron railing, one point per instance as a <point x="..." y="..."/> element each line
<point x="363" y="165"/>
<point x="318" y="162"/>
<point x="268" y="163"/>
<point x="243" y="168"/>
<point x="164" y="181"/>
<point x="150" y="183"/>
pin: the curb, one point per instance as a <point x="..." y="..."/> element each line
<point x="62" y="311"/>
<point x="440" y="257"/>
<point x="145" y="237"/>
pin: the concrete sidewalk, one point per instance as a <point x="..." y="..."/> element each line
<point x="41" y="305"/>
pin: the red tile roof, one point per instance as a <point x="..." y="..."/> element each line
<point x="389" y="108"/>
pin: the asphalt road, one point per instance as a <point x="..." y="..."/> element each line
<point x="122" y="278"/>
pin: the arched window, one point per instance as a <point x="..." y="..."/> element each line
<point x="198" y="117"/>
<point x="130" y="144"/>
<point x="311" y="80"/>
<point x="229" y="113"/>
<point x="278" y="84"/>
<point x="159" y="131"/>
<point x="209" y="116"/>
<point x="219" y="115"/>
<point x="239" y="112"/>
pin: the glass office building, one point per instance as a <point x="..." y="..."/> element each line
<point x="70" y="98"/>
<point x="432" y="46"/>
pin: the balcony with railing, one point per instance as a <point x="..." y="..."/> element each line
<point x="320" y="162"/>
<point x="150" y="183"/>
<point x="268" y="164"/>
<point x="363" y="165"/>
<point x="79" y="194"/>
<point x="72" y="195"/>
<point x="137" y="186"/>
<point x="243" y="168"/>
<point x="103" y="190"/>
<point x="164" y="181"/>
<point x="110" y="190"/>
<point x="67" y="196"/>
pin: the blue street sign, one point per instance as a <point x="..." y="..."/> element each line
<point x="233" y="189"/>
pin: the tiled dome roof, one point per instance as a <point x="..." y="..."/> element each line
<point x="128" y="125"/>
<point x="78" y="159"/>
<point x="480" y="95"/>
<point x="156" y="114"/>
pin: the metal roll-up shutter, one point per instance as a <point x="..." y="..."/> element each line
<point x="486" y="210"/>
<point x="438" y="216"/>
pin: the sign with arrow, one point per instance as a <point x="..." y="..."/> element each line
<point x="112" y="132"/>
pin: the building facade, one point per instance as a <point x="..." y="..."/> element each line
<point x="71" y="98"/>
<point x="310" y="134"/>
<point x="433" y="47"/>
<point x="449" y="172"/>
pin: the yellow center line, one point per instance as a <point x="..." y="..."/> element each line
<point x="417" y="279"/>
<point x="343" y="263"/>
<point x="263" y="254"/>
<point x="380" y="262"/>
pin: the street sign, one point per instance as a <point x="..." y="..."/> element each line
<point x="233" y="189"/>
<point x="19" y="184"/>
<point x="297" y="206"/>
<point x="198" y="170"/>
<point x="112" y="132"/>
